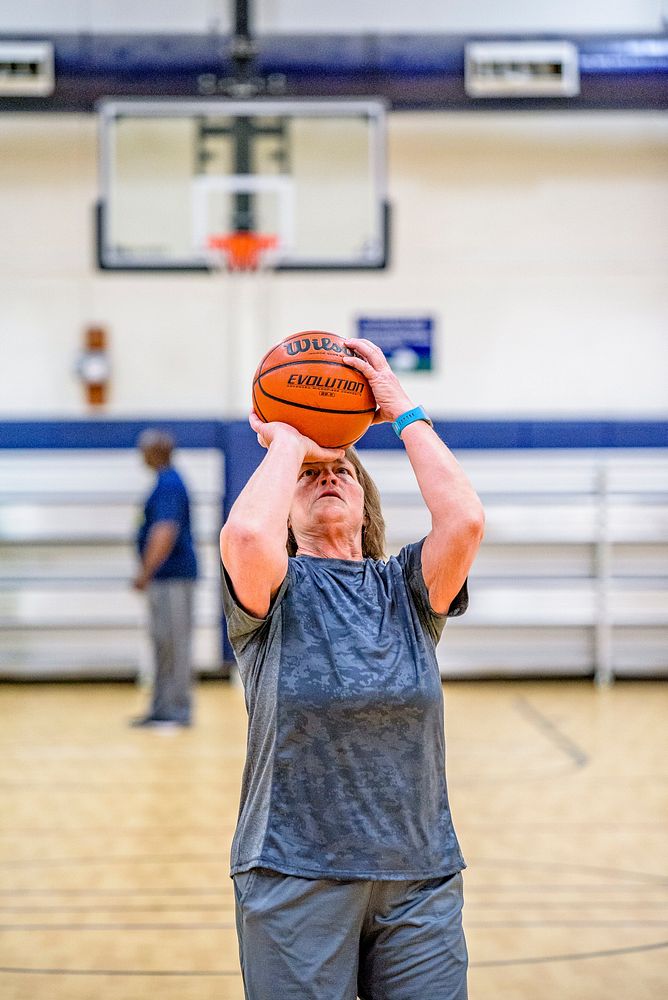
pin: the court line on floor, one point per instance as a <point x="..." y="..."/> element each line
<point x="18" y="971"/>
<point x="224" y="907"/>
<point x="550" y="825"/>
<point x="87" y="893"/>
<point x="174" y="907"/>
<point x="568" y="867"/>
<point x="500" y="863"/>
<point x="153" y="859"/>
<point x="574" y="957"/>
<point x="173" y="973"/>
<point x="219" y="925"/>
<point x="551" y="731"/>
<point x="210" y="926"/>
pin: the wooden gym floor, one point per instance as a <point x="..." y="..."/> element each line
<point x="114" y="842"/>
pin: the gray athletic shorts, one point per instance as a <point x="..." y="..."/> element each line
<point x="325" y="939"/>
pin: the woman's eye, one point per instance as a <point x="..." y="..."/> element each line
<point x="308" y="472"/>
<point x="347" y="471"/>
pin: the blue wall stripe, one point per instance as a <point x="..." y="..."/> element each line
<point x="105" y="433"/>
<point x="236" y="435"/>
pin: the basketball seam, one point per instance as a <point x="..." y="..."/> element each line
<point x="318" y="409"/>
<point x="304" y="361"/>
<point x="257" y="405"/>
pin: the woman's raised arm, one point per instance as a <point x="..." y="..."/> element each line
<point x="457" y="517"/>
<point x="253" y="539"/>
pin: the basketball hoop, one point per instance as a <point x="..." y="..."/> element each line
<point x="244" y="261"/>
<point x="244" y="251"/>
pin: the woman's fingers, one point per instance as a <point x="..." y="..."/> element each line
<point x="369" y="352"/>
<point x="258" y="426"/>
<point x="319" y="454"/>
<point x="359" y="364"/>
<point x="388" y="392"/>
<point x="266" y="433"/>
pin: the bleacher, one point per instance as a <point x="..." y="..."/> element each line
<point x="67" y="523"/>
<point x="572" y="578"/>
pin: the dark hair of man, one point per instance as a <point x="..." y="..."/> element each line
<point x="158" y="443"/>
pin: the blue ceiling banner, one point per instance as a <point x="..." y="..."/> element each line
<point x="410" y="71"/>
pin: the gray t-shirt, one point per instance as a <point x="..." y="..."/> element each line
<point x="345" y="773"/>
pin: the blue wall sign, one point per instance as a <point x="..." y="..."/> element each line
<point x="404" y="340"/>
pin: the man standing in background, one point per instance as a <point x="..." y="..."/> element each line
<point x="167" y="573"/>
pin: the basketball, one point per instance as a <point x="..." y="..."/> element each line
<point x="303" y="382"/>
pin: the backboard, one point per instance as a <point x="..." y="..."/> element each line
<point x="174" y="174"/>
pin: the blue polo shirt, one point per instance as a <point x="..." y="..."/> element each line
<point x="169" y="502"/>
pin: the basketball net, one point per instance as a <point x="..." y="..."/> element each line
<point x="246" y="261"/>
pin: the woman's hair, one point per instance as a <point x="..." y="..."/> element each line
<point x="373" y="527"/>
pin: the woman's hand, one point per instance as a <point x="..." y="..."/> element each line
<point x="267" y="433"/>
<point x="390" y="396"/>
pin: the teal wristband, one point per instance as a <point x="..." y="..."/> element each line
<point x="409" y="417"/>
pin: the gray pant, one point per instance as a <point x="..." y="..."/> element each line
<point x="171" y="615"/>
<point x="324" y="939"/>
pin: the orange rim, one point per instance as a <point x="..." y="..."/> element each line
<point x="244" y="250"/>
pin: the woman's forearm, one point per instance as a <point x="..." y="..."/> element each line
<point x="254" y="536"/>
<point x="444" y="485"/>
<point x="263" y="505"/>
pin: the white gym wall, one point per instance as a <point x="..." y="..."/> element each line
<point x="539" y="242"/>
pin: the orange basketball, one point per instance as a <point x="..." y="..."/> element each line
<point x="303" y="382"/>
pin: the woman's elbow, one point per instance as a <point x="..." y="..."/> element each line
<point x="237" y="537"/>
<point x="472" y="525"/>
<point x="249" y="542"/>
<point x="478" y="521"/>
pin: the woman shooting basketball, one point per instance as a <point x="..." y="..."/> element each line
<point x="346" y="865"/>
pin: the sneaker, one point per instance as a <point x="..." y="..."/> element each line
<point x="151" y="722"/>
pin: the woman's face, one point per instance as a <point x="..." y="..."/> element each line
<point x="327" y="496"/>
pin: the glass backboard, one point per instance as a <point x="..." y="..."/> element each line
<point x="173" y="174"/>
